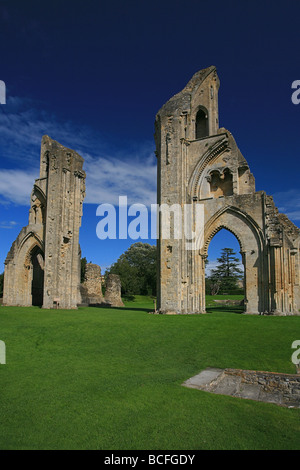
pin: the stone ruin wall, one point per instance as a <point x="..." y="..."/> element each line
<point x="113" y="291"/>
<point x="200" y="164"/>
<point x="42" y="267"/>
<point x="91" y="288"/>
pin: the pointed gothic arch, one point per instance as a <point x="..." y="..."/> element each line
<point x="201" y="123"/>
<point x="26" y="252"/>
<point x="250" y="238"/>
<point x="37" y="282"/>
<point x="233" y="243"/>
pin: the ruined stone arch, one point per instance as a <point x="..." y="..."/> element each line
<point x="250" y="239"/>
<point x="40" y="193"/>
<point x="19" y="273"/>
<point x="227" y="217"/>
<point x="30" y="240"/>
<point x="207" y="245"/>
<point x="43" y="263"/>
<point x="211" y="153"/>
<point x="211" y="172"/>
<point x="38" y="204"/>
<point x="214" y="232"/>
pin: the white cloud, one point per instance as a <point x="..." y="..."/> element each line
<point x="109" y="178"/>
<point x="23" y="124"/>
<point x="288" y="202"/>
<point x="16" y="186"/>
<point x="8" y="225"/>
<point x="110" y="174"/>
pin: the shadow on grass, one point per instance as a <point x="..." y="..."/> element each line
<point x="141" y="309"/>
<point x="224" y="309"/>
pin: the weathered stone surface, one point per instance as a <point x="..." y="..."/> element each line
<point x="200" y="164"/>
<point x="228" y="302"/>
<point x="91" y="288"/>
<point x="271" y="387"/>
<point x="113" y="291"/>
<point x="43" y="264"/>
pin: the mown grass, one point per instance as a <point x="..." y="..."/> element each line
<point x="111" y="379"/>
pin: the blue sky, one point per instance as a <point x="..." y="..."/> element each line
<point x="92" y="75"/>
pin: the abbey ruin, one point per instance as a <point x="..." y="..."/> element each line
<point x="91" y="288"/>
<point x="43" y="265"/>
<point x="200" y="163"/>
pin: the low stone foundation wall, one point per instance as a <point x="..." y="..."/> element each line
<point x="229" y="302"/>
<point x="270" y="387"/>
<point x="286" y="386"/>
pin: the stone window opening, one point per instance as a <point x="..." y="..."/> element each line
<point x="202" y="124"/>
<point x="221" y="184"/>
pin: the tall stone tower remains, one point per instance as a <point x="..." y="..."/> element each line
<point x="43" y="265"/>
<point x="199" y="164"/>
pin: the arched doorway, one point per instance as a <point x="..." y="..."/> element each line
<point x="224" y="271"/>
<point x="244" y="228"/>
<point x="37" y="283"/>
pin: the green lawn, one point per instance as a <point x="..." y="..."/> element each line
<point x="111" y="379"/>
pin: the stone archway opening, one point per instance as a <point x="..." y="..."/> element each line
<point x="224" y="255"/>
<point x="202" y="123"/>
<point x="37" y="283"/>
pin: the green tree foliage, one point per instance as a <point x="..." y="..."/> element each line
<point x="83" y="262"/>
<point x="137" y="269"/>
<point x="224" y="279"/>
<point x="212" y="285"/>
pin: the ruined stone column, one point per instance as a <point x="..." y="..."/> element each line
<point x="91" y="288"/>
<point x="42" y="267"/>
<point x="65" y="194"/>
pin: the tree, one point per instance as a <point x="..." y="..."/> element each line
<point x="137" y="269"/>
<point x="83" y="263"/>
<point x="212" y="286"/>
<point x="227" y="273"/>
